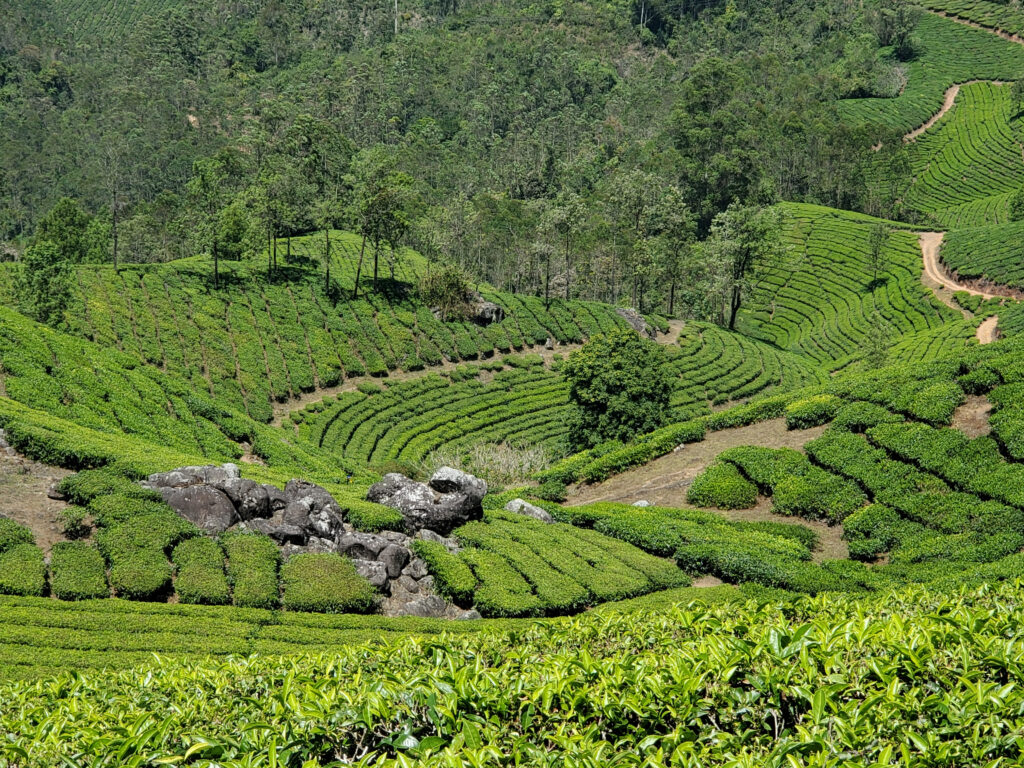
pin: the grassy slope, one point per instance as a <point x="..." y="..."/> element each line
<point x="822" y="303"/>
<point x="948" y="53"/>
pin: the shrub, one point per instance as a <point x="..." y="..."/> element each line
<point x="77" y="571"/>
<point x="22" y="571"/>
<point x="860" y="416"/>
<point x="619" y="387"/>
<point x="551" y="490"/>
<point x="374" y="518"/>
<point x="453" y="579"/>
<point x="253" y="560"/>
<point x="817" y="495"/>
<point x="12" y="534"/>
<point x="503" y="592"/>
<point x="72" y="522"/>
<point x="325" y="583"/>
<point x="142" y="575"/>
<point x="200" y="566"/>
<point x="979" y="381"/>
<point x="721" y="485"/>
<point x="812" y="411"/>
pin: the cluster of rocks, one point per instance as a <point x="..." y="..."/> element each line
<point x="304" y="517"/>
<point x="451" y="498"/>
<point x="637" y="322"/>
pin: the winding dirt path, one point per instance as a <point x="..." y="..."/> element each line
<point x="988" y="331"/>
<point x="947" y="104"/>
<point x="664" y="481"/>
<point x="935" y="271"/>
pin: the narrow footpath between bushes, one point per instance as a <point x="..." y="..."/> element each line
<point x="936" y="277"/>
<point x="664" y="481"/>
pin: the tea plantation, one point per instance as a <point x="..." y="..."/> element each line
<point x="811" y="555"/>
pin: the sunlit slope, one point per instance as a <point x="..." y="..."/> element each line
<point x="947" y="52"/>
<point x="824" y="302"/>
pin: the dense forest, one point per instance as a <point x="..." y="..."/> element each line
<point x="572" y="149"/>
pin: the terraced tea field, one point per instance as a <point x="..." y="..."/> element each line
<point x="823" y="305"/>
<point x="997" y="16"/>
<point x="994" y="254"/>
<point x="968" y="165"/>
<point x="525" y="402"/>
<point x="946" y="53"/>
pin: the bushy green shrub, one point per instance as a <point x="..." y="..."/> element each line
<point x="721" y="485"/>
<point x="979" y="381"/>
<point x="77" y="571"/>
<point x="72" y="522"/>
<point x="137" y="552"/>
<point x="766" y="467"/>
<point x="253" y="561"/>
<point x="503" y="592"/>
<point x="373" y="518"/>
<point x="84" y="486"/>
<point x="859" y="416"/>
<point x="812" y="411"/>
<point x="551" y="490"/>
<point x="453" y="579"/>
<point x="817" y="495"/>
<point x="935" y="404"/>
<point x="12" y="534"/>
<point x="200" y="572"/>
<point x="325" y="583"/>
<point x="22" y="571"/>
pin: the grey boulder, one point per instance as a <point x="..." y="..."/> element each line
<point x="183" y="477"/>
<point x="451" y="499"/>
<point x="249" y="497"/>
<point x="372" y="571"/>
<point x="207" y="507"/>
<point x="522" y="507"/>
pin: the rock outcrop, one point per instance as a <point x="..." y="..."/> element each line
<point x="637" y="322"/>
<point x="523" y="507"/>
<point x="304" y="517"/>
<point x="450" y="499"/>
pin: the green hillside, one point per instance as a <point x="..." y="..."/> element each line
<point x="797" y="535"/>
<point x="946" y="53"/>
<point x="823" y="302"/>
<point x="968" y="165"/>
<point x="987" y="253"/>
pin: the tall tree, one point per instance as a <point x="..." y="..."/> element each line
<point x="744" y="248"/>
<point x="206" y="189"/>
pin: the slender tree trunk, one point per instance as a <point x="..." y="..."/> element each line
<point x="547" y="282"/>
<point x="288" y="254"/>
<point x="359" y="269"/>
<point x="275" y="248"/>
<point x="327" y="277"/>
<point x="672" y="299"/>
<point x="376" y="258"/>
<point x="270" y="250"/>
<point x="216" y="265"/>
<point x="568" y="267"/>
<point x="113" y="212"/>
<point x="734" y="306"/>
<point x="396" y="18"/>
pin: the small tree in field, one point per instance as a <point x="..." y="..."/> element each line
<point x="619" y="387"/>
<point x="44" y="283"/>
<point x="447" y="289"/>
<point x="876" y="250"/>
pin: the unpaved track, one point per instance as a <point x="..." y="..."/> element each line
<point x="947" y="104"/>
<point x="664" y="481"/>
<point x="931" y="242"/>
<point x="988" y="332"/>
<point x="991" y="30"/>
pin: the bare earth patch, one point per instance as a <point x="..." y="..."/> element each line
<point x="988" y="331"/>
<point x="23" y="488"/>
<point x="971" y="418"/>
<point x="664" y="481"/>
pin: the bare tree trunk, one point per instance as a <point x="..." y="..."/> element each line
<point x="568" y="267"/>
<point x="672" y="299"/>
<point x="327" y="278"/>
<point x="113" y="211"/>
<point x="216" y="265"/>
<point x="359" y="269"/>
<point x="734" y="306"/>
<point x="270" y="248"/>
<point x="396" y="18"/>
<point x="376" y="258"/>
<point x="547" y="281"/>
